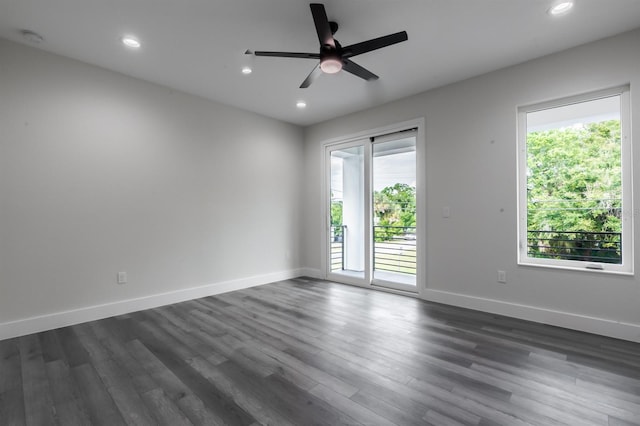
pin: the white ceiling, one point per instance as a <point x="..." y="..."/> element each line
<point x="198" y="46"/>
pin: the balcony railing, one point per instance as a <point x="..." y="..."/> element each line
<point x="394" y="248"/>
<point x="604" y="247"/>
<point x="337" y="247"/>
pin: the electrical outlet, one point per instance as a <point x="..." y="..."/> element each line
<point x="502" y="277"/>
<point x="122" y="277"/>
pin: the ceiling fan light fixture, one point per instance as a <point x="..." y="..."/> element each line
<point x="331" y="65"/>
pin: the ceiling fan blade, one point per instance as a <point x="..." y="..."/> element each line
<point x="315" y="73"/>
<point x="357" y="70"/>
<point x="373" y="44"/>
<point x="288" y="55"/>
<point x="322" y="25"/>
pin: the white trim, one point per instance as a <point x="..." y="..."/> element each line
<point x="312" y="273"/>
<point x="405" y="288"/>
<point x="589" y="324"/>
<point x="366" y="134"/>
<point x="574" y="98"/>
<point x="421" y="205"/>
<point x="600" y="326"/>
<point x="91" y="313"/>
<point x="581" y="268"/>
<point x="368" y="217"/>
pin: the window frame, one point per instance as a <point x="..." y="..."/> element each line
<point x="626" y="267"/>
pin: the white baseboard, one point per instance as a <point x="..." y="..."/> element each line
<point x="601" y="326"/>
<point x="311" y="273"/>
<point x="91" y="313"/>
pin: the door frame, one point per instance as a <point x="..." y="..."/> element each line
<point x="421" y="204"/>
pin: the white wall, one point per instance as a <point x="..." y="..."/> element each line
<point x="100" y="173"/>
<point x="471" y="167"/>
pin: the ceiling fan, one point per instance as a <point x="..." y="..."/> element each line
<point x="333" y="57"/>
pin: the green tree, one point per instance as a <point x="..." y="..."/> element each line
<point x="336" y="219"/>
<point x="574" y="188"/>
<point x="394" y="209"/>
<point x="336" y="213"/>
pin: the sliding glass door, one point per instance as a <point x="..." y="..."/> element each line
<point x="372" y="227"/>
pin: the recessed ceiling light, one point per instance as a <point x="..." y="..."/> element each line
<point x="561" y="7"/>
<point x="32" y="37"/>
<point x="246" y="70"/>
<point x="131" y="42"/>
<point x="301" y="104"/>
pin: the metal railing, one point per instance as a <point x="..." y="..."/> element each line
<point x="394" y="249"/>
<point x="604" y="247"/>
<point x="337" y="247"/>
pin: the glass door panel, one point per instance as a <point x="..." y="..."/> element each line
<point x="347" y="212"/>
<point x="394" y="212"/>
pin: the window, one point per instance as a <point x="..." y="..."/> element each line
<point x="574" y="165"/>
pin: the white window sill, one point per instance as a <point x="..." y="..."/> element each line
<point x="576" y="268"/>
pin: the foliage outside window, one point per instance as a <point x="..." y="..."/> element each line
<point x="574" y="182"/>
<point x="394" y="209"/>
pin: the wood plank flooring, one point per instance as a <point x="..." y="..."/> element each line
<point x="307" y="352"/>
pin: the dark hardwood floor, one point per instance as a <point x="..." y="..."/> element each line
<point x="305" y="352"/>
